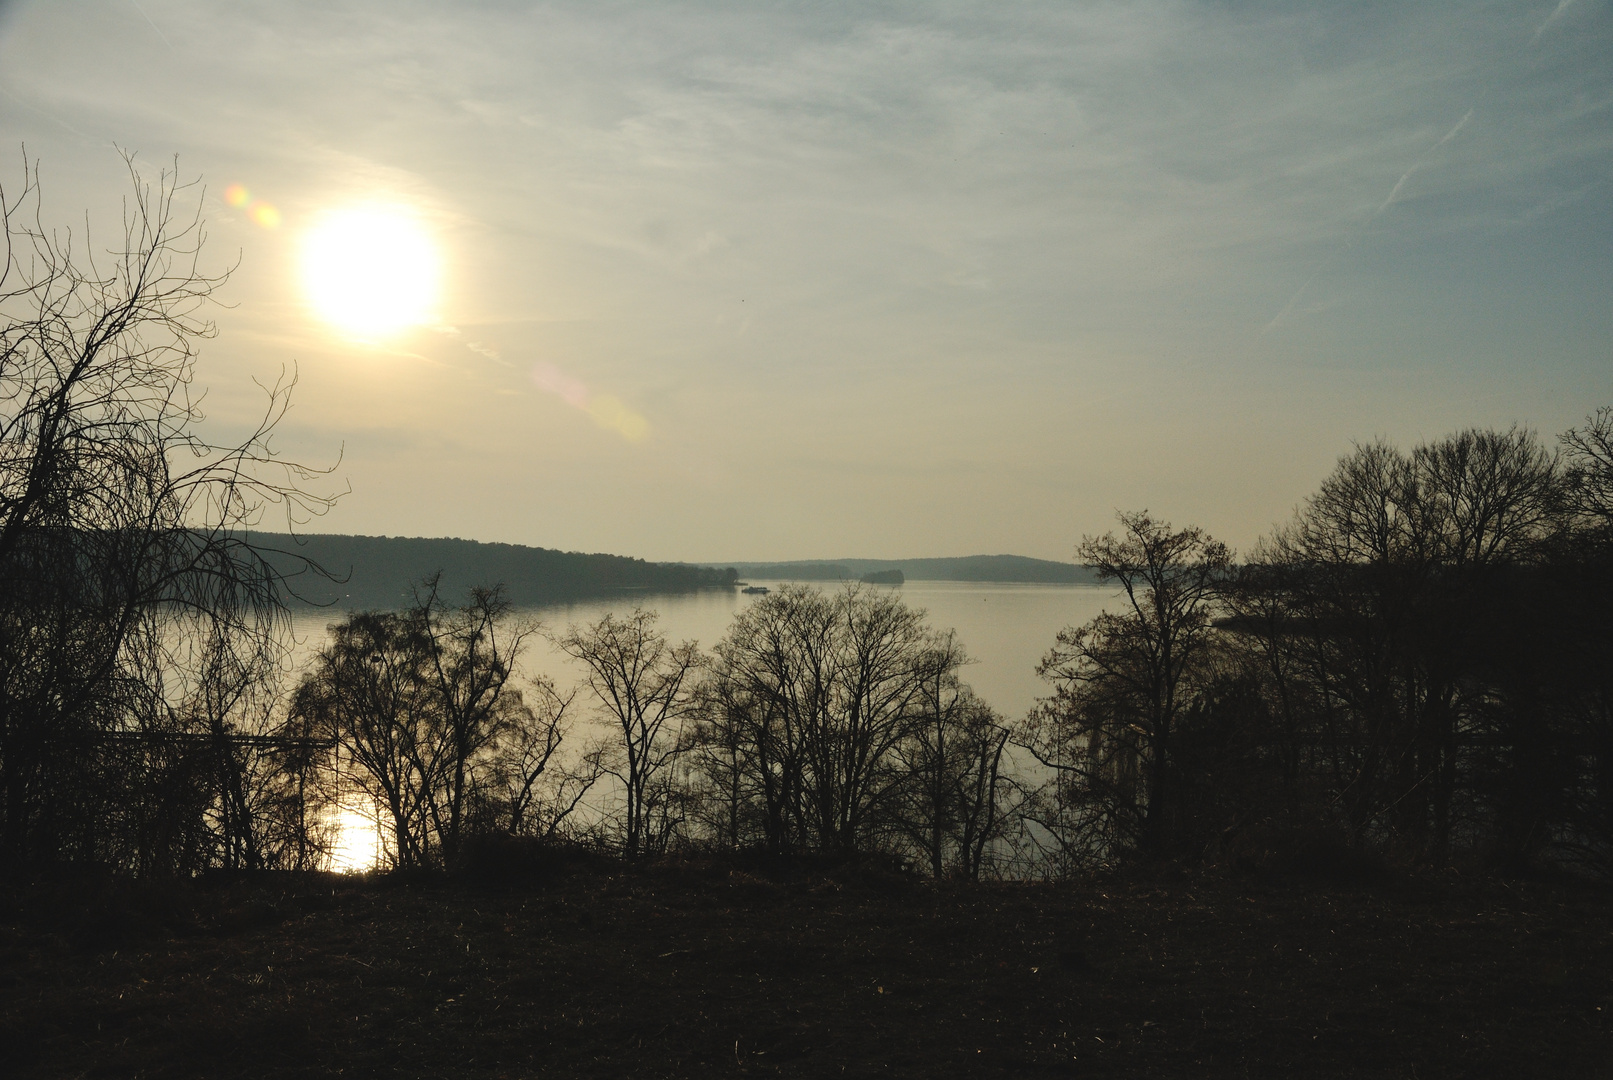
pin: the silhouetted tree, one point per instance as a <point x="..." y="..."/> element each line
<point x="770" y="684"/>
<point x="1121" y="684"/>
<point x="472" y="653"/>
<point x="530" y="786"/>
<point x="1580" y="573"/>
<point x="1390" y="577"/>
<point x="1417" y="662"/>
<point x="831" y="721"/>
<point x="951" y="762"/>
<point x="644" y="686"/>
<point x="1588" y="474"/>
<point x="124" y="549"/>
<point x="733" y="782"/>
<point x="417" y="703"/>
<point x="368" y="692"/>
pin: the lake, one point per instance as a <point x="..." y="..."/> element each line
<point x="1006" y="628"/>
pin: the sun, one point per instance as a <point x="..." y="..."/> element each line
<point x="371" y="270"/>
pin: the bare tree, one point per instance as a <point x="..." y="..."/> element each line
<point x="814" y="703"/>
<point x="1389" y="577"/>
<point x="121" y="526"/>
<point x="981" y="790"/>
<point x="1589" y="476"/>
<point x="417" y="702"/>
<point x="771" y="685"/>
<point x="880" y="670"/>
<point x="369" y="692"/>
<point x="1120" y="687"/>
<point x="472" y="654"/>
<point x="1585" y="698"/>
<point x="733" y="781"/>
<point x="644" y="685"/>
<point x="952" y="765"/>
<point x="530" y="789"/>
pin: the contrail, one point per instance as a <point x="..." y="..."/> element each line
<point x="1394" y="191"/>
<point x="48" y="116"/>
<point x="153" y="25"/>
<point x="1448" y="136"/>
<point x="1557" y="13"/>
<point x="1290" y="305"/>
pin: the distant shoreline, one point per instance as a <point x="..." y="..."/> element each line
<point x="380" y="571"/>
<point x="1001" y="569"/>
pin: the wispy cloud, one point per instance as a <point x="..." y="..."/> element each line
<point x="488" y="351"/>
<point x="903" y="231"/>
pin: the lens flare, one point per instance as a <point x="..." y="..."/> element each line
<point x="607" y="411"/>
<point x="371" y="270"/>
<point x="258" y="211"/>
<point x="612" y="414"/>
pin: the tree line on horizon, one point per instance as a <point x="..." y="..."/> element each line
<point x="1416" y="668"/>
<point x="381" y="571"/>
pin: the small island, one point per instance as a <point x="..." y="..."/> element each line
<point x="883" y="577"/>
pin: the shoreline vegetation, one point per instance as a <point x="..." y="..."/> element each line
<point x="1006" y="569"/>
<point x="379" y="572"/>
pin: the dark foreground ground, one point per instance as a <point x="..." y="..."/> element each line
<point x="704" y="970"/>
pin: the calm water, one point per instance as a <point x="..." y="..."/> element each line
<point x="1005" y="628"/>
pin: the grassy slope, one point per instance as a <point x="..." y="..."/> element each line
<point x="702" y="970"/>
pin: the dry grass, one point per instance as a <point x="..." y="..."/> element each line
<point x="702" y="969"/>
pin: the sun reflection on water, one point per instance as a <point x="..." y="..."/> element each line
<point x="358" y="846"/>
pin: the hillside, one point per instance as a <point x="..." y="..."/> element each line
<point x="1002" y="568"/>
<point x="706" y="969"/>
<point x="377" y="571"/>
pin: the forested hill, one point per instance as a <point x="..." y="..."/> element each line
<point x="379" y="570"/>
<point x="1004" y="568"/>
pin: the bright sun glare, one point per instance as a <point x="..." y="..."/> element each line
<point x="358" y="842"/>
<point x="371" y="270"/>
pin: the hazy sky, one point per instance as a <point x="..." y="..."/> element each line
<point x="755" y="281"/>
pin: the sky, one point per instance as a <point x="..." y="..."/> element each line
<point x="769" y="281"/>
